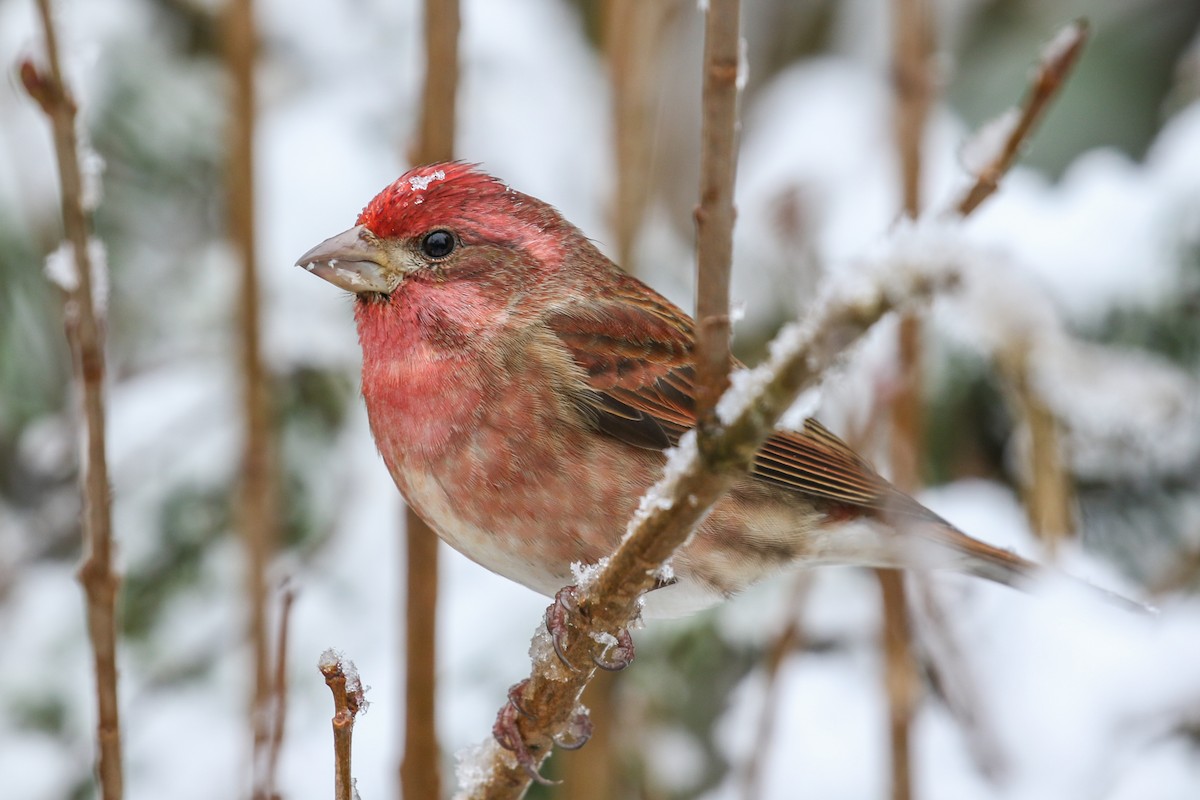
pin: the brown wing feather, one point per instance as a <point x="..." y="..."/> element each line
<point x="636" y="351"/>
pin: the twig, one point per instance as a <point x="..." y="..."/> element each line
<point x="901" y="681"/>
<point x="715" y="214"/>
<point x="257" y="498"/>
<point x="913" y="81"/>
<point x="85" y="335"/>
<point x="1048" y="493"/>
<point x="1058" y="58"/>
<point x="633" y="33"/>
<point x="342" y="678"/>
<point x="701" y="470"/>
<point x="421" y="757"/>
<point x="275" y="745"/>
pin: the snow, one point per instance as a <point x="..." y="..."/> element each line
<point x="987" y="145"/>
<point x="62" y="271"/>
<point x="681" y="460"/>
<point x="419" y="183"/>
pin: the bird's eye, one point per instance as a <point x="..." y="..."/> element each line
<point x="438" y="244"/>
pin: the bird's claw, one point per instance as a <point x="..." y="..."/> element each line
<point x="566" y="602"/>
<point x="516" y="698"/>
<point x="508" y="736"/>
<point x="577" y="734"/>
<point x="557" y="624"/>
<point x="622" y="653"/>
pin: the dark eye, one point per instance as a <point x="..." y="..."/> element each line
<point x="438" y="244"/>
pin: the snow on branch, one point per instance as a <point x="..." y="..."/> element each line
<point x="699" y="472"/>
<point x="991" y="153"/>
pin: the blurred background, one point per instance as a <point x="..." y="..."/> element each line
<point x="1081" y="309"/>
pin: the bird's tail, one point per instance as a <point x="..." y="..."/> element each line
<point x="965" y="554"/>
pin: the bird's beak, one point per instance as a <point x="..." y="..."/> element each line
<point x="352" y="260"/>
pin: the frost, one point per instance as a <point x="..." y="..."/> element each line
<point x="986" y="146"/>
<point x="681" y="459"/>
<point x="585" y="574"/>
<point x="91" y="165"/>
<point x="61" y="270"/>
<point x="604" y="638"/>
<point x="544" y="657"/>
<point x="473" y="765"/>
<point x="743" y="66"/>
<point x="330" y="660"/>
<point x="1055" y="49"/>
<point x="420" y="183"/>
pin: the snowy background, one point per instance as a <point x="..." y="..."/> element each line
<point x="1090" y="253"/>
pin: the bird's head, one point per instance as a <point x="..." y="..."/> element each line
<point x="445" y="223"/>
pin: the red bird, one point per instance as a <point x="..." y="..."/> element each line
<point x="522" y="389"/>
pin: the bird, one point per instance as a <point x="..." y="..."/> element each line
<point x="523" y="391"/>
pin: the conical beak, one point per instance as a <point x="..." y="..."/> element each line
<point x="352" y="260"/>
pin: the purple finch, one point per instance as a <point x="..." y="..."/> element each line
<point x="522" y="389"/>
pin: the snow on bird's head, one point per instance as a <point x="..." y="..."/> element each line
<point x="474" y="205"/>
<point x="429" y="196"/>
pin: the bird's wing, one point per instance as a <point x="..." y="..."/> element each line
<point x="637" y="353"/>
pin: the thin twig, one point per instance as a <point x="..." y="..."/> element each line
<point x="715" y="214"/>
<point x="1058" y="59"/>
<point x="275" y="745"/>
<point x="85" y="335"/>
<point x="420" y="760"/>
<point x="633" y="31"/>
<point x="257" y="498"/>
<point x="901" y="683"/>
<point x="914" y="85"/>
<point x="342" y="678"/>
<point x="704" y="469"/>
<point x="1046" y="485"/>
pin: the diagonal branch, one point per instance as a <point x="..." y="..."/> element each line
<point x="699" y="472"/>
<point x="86" y="337"/>
<point x="1057" y="61"/>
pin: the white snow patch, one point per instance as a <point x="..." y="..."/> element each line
<point x="985" y="147"/>
<point x="420" y="183"/>
<point x="473" y="766"/>
<point x="585" y="574"/>
<point x="62" y="271"/>
<point x="681" y="460"/>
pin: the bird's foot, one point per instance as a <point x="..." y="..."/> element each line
<point x="508" y="734"/>
<point x="557" y="623"/>
<point x="618" y="653"/>
<point x="578" y="732"/>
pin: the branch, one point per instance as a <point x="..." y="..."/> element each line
<point x="257" y="500"/>
<point x="85" y="336"/>
<point x="279" y="706"/>
<point x="699" y="472"/>
<point x="715" y="214"/>
<point x="1057" y="61"/>
<point x="633" y="33"/>
<point x="913" y="82"/>
<point x="341" y="676"/>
